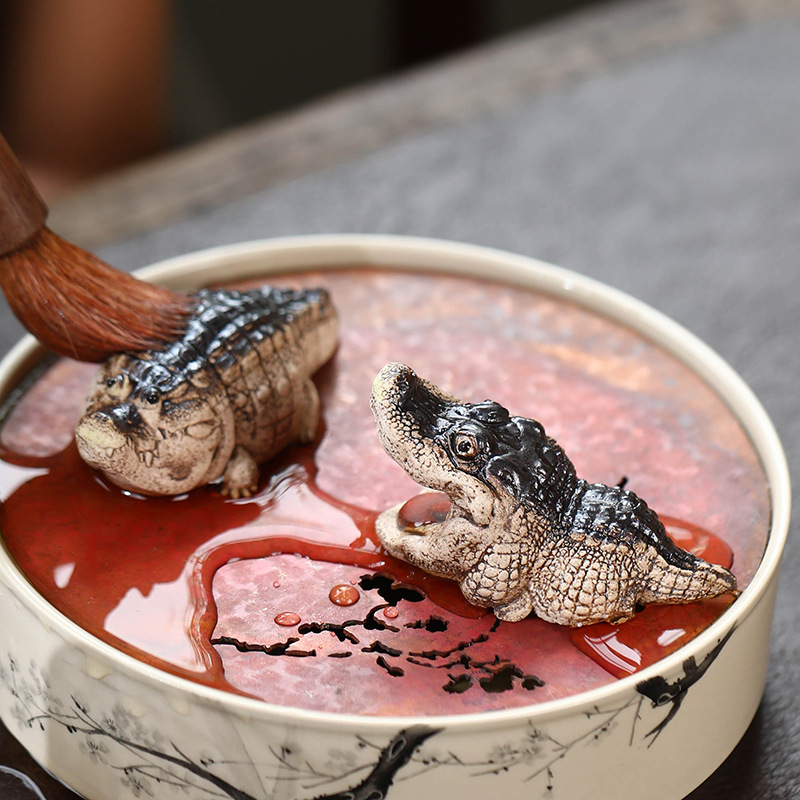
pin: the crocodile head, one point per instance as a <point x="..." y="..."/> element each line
<point x="439" y="441"/>
<point x="466" y="450"/>
<point x="152" y="432"/>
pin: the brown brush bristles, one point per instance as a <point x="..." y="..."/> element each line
<point x="80" y="307"/>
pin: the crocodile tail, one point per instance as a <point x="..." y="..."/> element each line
<point x="698" y="580"/>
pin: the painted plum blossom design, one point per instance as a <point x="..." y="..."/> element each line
<point x="356" y="769"/>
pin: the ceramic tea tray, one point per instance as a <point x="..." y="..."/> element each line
<point x="200" y="644"/>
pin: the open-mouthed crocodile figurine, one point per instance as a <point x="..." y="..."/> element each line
<point x="228" y="395"/>
<point x="523" y="533"/>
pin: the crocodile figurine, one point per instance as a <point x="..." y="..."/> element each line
<point x="523" y="534"/>
<point x="229" y="394"/>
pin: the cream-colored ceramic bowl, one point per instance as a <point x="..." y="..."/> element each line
<point x="110" y="726"/>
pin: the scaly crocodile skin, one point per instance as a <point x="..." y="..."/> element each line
<point x="232" y="392"/>
<point x="524" y="533"/>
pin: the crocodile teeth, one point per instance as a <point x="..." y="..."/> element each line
<point x="147" y="458"/>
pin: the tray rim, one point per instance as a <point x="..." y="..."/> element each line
<point x="336" y="251"/>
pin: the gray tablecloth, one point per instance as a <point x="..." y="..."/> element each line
<point x="676" y="179"/>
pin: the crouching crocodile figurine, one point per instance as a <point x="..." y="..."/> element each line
<point x="232" y="392"/>
<point x="523" y="533"/>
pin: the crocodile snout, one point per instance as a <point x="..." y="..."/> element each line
<point x="125" y="417"/>
<point x="396" y="379"/>
<point x="102" y="435"/>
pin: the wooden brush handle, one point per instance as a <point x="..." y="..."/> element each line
<point x="22" y="211"/>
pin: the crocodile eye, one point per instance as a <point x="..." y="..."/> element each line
<point x="112" y="382"/>
<point x="465" y="446"/>
<point x="151" y="396"/>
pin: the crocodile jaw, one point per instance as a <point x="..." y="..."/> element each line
<point x="447" y="549"/>
<point x="103" y="446"/>
<point x="147" y="463"/>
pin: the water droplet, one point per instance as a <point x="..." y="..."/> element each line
<point x="424" y="509"/>
<point x="276" y="584"/>
<point x="288" y="619"/>
<point x="344" y="594"/>
<point x="392" y="612"/>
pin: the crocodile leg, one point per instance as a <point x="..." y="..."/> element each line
<point x="240" y="478"/>
<point x="496" y="581"/>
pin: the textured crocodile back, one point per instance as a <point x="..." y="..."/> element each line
<point x="264" y="345"/>
<point x="261" y="346"/>
<point x="534" y="469"/>
<point x="613" y="513"/>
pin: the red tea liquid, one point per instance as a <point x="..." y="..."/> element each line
<point x="288" y="597"/>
